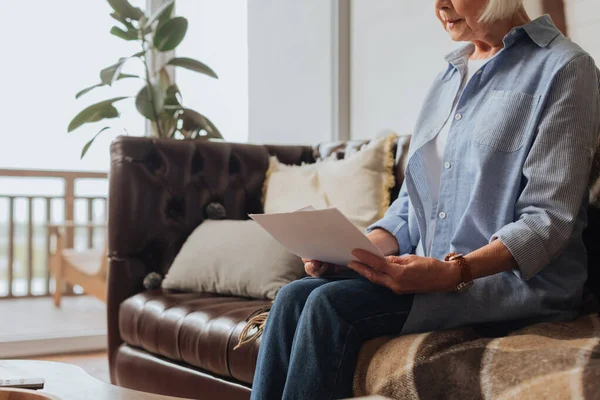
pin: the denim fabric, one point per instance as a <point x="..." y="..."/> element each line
<point x="314" y="332"/>
<point x="515" y="169"/>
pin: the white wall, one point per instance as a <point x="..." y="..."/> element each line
<point x="291" y="77"/>
<point x="583" y="25"/>
<point x="398" y="48"/>
<point x="218" y="36"/>
<point x="533" y="7"/>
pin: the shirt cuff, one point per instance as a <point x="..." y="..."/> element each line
<point x="397" y="227"/>
<point x="526" y="247"/>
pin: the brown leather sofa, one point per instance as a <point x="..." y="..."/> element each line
<point x="181" y="344"/>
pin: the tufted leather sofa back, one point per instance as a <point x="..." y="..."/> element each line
<point x="159" y="189"/>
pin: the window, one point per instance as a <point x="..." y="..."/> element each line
<point x="53" y="50"/>
<point x="50" y="52"/>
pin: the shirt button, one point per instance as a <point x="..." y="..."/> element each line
<point x="442" y="215"/>
<point x="458" y="117"/>
<point x="447" y="165"/>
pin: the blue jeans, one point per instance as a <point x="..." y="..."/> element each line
<point x="314" y="333"/>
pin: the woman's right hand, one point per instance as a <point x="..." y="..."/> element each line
<point x="384" y="240"/>
<point x="317" y="268"/>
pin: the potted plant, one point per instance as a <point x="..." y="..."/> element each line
<point x="159" y="99"/>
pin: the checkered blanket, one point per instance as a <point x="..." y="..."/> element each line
<point x="543" y="361"/>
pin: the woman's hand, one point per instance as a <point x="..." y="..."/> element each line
<point x="382" y="239"/>
<point x="317" y="268"/>
<point x="407" y="274"/>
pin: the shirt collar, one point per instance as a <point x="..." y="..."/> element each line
<point x="460" y="54"/>
<point x="541" y="30"/>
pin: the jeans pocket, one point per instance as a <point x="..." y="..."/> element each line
<point x="507" y="117"/>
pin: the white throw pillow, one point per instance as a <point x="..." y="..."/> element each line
<point x="236" y="258"/>
<point x="359" y="185"/>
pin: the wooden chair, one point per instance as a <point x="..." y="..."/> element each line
<point x="87" y="268"/>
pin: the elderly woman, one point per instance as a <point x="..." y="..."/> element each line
<point x="487" y="227"/>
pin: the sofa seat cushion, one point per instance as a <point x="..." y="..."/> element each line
<point x="198" y="329"/>
<point x="549" y="360"/>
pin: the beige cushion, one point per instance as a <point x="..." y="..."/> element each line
<point x="359" y="185"/>
<point x="235" y="258"/>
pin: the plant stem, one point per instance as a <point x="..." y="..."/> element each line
<point x="149" y="83"/>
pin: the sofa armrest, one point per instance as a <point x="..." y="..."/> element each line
<point x="158" y="192"/>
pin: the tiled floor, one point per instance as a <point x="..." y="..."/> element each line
<point x="95" y="364"/>
<point x="35" y="327"/>
<point x="31" y="318"/>
<point x="38" y="320"/>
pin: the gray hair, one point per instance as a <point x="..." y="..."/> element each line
<point x="500" y="9"/>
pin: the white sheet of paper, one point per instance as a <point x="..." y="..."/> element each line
<point x="323" y="235"/>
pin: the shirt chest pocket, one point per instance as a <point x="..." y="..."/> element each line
<point x="506" y="118"/>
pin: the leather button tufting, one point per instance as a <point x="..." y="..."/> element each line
<point x="175" y="208"/>
<point x="216" y="211"/>
<point x="153" y="162"/>
<point x="197" y="163"/>
<point x="235" y="165"/>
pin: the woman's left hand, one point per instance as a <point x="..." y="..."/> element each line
<point x="407" y="274"/>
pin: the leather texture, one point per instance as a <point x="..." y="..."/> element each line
<point x="182" y="343"/>
<point x="139" y="370"/>
<point x="197" y="329"/>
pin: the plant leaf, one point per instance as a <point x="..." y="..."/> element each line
<point x="128" y="35"/>
<point x="95" y="112"/>
<point x="126" y="10"/>
<point x="166" y="16"/>
<point x="163" y="14"/>
<point x="138" y="54"/>
<point x="168" y="121"/>
<point x="125" y="76"/>
<point x="173" y="97"/>
<point x="86" y="90"/>
<point x="118" y="17"/>
<point x="194" y="122"/>
<point x="170" y="34"/>
<point x="144" y="104"/>
<point x="192" y="65"/>
<point x="173" y="90"/>
<point x="172" y="105"/>
<point x="109" y="74"/>
<point x="88" y="144"/>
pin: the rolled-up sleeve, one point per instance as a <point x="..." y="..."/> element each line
<point x="556" y="170"/>
<point x="395" y="221"/>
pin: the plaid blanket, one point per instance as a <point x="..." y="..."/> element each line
<point x="543" y="361"/>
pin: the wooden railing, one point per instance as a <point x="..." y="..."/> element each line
<point x="69" y="201"/>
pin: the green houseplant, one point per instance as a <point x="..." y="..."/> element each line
<point x="159" y="99"/>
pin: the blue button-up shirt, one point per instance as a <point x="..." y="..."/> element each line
<point x="516" y="169"/>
